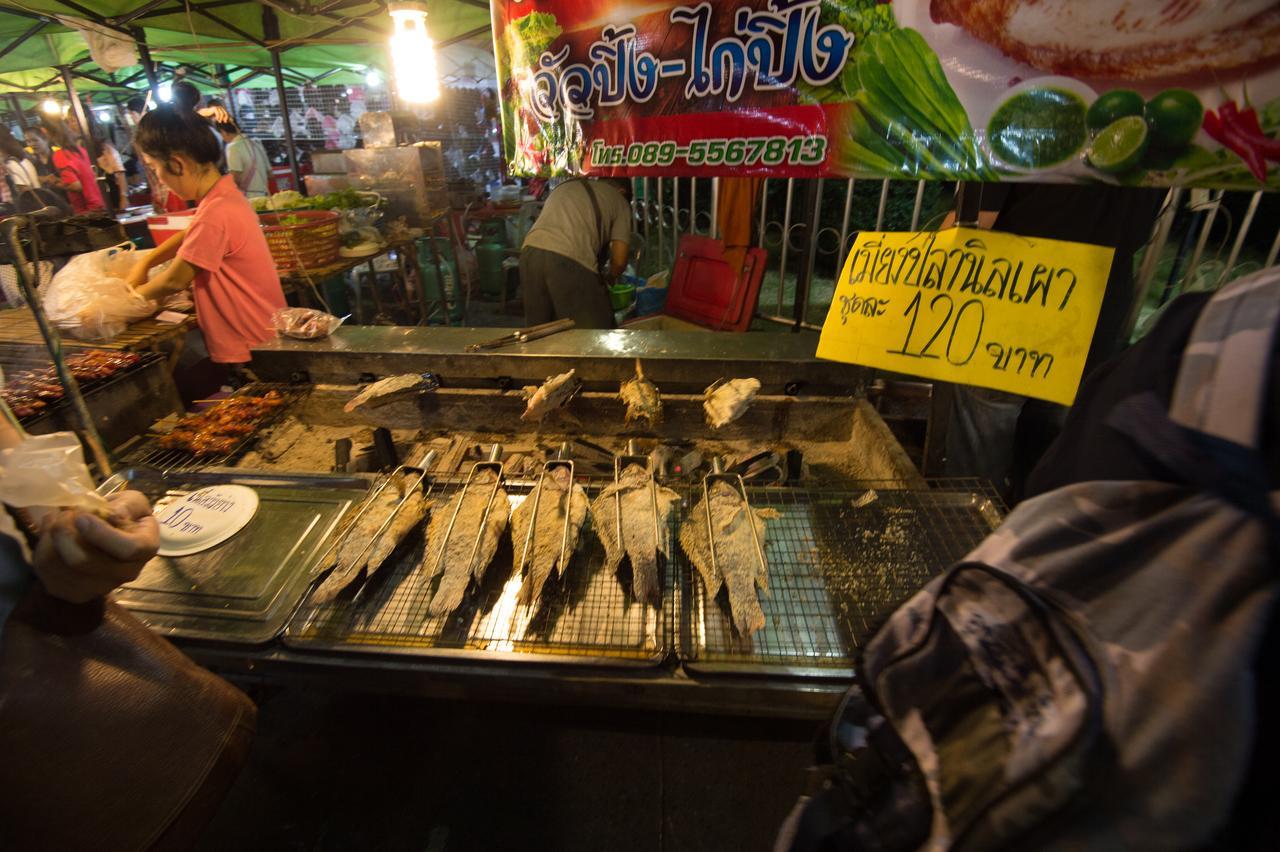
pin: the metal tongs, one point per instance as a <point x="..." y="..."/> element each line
<point x="421" y="468"/>
<point x="621" y="463"/>
<point x="492" y="463"/>
<point x="551" y="464"/>
<point x="523" y="335"/>
<point x="718" y="475"/>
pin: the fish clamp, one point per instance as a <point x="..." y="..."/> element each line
<point x="621" y="463"/>
<point x="491" y="464"/>
<point x="560" y="461"/>
<point x="735" y="481"/>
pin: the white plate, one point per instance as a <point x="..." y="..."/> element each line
<point x="197" y="521"/>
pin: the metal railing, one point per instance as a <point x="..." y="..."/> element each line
<point x="1201" y="239"/>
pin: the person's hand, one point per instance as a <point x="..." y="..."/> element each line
<point x="80" y="557"/>
<point x="216" y="114"/>
<point x="138" y="275"/>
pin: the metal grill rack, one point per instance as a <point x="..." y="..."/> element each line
<point x="840" y="560"/>
<point x="586" y="617"/>
<point x="19" y="358"/>
<point x="149" y="454"/>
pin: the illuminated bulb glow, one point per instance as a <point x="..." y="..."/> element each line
<point x="51" y="107"/>
<point x="165" y="92"/>
<point x="413" y="54"/>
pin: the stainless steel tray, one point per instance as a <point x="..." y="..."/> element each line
<point x="841" y="559"/>
<point x="244" y="589"/>
<point x="587" y="618"/>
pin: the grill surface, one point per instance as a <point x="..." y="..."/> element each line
<point x="18" y="358"/>
<point x="149" y="454"/>
<point x="841" y="558"/>
<point x="588" y="616"/>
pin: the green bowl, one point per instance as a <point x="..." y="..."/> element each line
<point x="621" y="295"/>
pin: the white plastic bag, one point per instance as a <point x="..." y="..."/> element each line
<point x="49" y="471"/>
<point x="107" y="48"/>
<point x="90" y="298"/>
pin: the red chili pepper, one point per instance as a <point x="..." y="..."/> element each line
<point x="1234" y="129"/>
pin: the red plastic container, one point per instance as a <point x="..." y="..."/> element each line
<point x="164" y="227"/>
<point x="705" y="290"/>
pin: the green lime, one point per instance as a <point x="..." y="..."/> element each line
<point x="1115" y="104"/>
<point x="1120" y="145"/>
<point x="1174" y="116"/>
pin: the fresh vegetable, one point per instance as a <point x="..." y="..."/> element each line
<point x="1038" y="128"/>
<point x="530" y="35"/>
<point x="1112" y="106"/>
<point x="906" y="118"/>
<point x="1174" y="117"/>
<point x="1120" y="145"/>
<point x="1240" y="131"/>
<point x="343" y="199"/>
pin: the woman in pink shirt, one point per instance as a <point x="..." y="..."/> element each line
<point x="222" y="255"/>
<point x="75" y="172"/>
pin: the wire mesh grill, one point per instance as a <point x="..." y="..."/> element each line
<point x="150" y="454"/>
<point x="16" y="359"/>
<point x="588" y="615"/>
<point x="840" y="561"/>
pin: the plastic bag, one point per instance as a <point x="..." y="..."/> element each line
<point x="305" y="323"/>
<point x="90" y="298"/>
<point x="49" y="471"/>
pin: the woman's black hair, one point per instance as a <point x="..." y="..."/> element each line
<point x="186" y="96"/>
<point x="165" y="131"/>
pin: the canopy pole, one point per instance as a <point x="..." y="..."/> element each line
<point x="288" y="125"/>
<point x="78" y="110"/>
<point x="148" y="66"/>
<point x="16" y="105"/>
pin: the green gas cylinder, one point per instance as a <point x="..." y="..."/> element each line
<point x="491" y="251"/>
<point x="432" y="287"/>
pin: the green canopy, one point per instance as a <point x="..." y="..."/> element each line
<point x="333" y="40"/>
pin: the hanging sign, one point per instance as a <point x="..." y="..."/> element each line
<point x="1109" y="91"/>
<point x="970" y="306"/>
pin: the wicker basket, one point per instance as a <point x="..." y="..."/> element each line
<point x="307" y="239"/>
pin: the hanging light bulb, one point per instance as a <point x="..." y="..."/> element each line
<point x="413" y="54"/>
<point x="51" y="107"/>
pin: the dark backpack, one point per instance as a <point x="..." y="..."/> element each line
<point x="1084" y="678"/>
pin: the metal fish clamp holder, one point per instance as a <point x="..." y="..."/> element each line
<point x="735" y="481"/>
<point x="551" y="464"/>
<point x="621" y="463"/>
<point x="491" y="464"/>
<point x="421" y="469"/>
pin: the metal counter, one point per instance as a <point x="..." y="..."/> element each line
<point x="676" y="361"/>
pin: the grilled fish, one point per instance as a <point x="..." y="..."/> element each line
<point x="358" y="553"/>
<point x="549" y="533"/>
<point x="729" y="401"/>
<point x="1123" y="39"/>
<point x="641" y="398"/>
<point x="456" y="567"/>
<point x="390" y="389"/>
<point x="638" y="528"/>
<point x="552" y="394"/>
<point x="737" y="563"/>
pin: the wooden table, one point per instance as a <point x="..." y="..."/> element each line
<point x="18" y="325"/>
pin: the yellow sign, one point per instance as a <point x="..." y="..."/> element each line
<point x="968" y="306"/>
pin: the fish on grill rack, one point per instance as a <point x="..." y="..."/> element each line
<point x="392" y="389"/>
<point x="458" y="559"/>
<point x="642" y="399"/>
<point x="550" y="545"/>
<point x="641" y="508"/>
<point x="726" y="401"/>
<point x="361" y="555"/>
<point x="551" y="395"/>
<point x="737" y="564"/>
